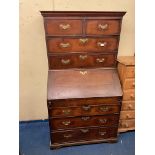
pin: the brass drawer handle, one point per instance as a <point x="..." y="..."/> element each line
<point x="83" y="72"/>
<point x="102" y="26"/>
<point x="67" y="136"/>
<point x="102" y="133"/>
<point x="66" y="122"/>
<point x="86" y="107"/>
<point x="100" y="60"/>
<point x="103" y="120"/>
<point x="104" y="109"/>
<point x="85" y="118"/>
<point x="101" y="44"/>
<point x="65" y="62"/>
<point x="83" y="40"/>
<point x="64" y="45"/>
<point x="64" y="26"/>
<point x="82" y="57"/>
<point x="84" y="130"/>
<point x="66" y="111"/>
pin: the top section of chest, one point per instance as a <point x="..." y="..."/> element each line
<point x="72" y="23"/>
<point x="78" y="39"/>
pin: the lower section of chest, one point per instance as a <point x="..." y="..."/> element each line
<point x="83" y="106"/>
<point x="83" y="121"/>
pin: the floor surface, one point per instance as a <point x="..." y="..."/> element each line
<point x="34" y="140"/>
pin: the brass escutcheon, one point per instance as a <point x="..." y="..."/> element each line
<point x="104" y="108"/>
<point x="83" y="57"/>
<point x="100" y="60"/>
<point x="83" y="40"/>
<point x="64" y="26"/>
<point x="66" y="111"/>
<point x="101" y="44"/>
<point x="102" y="26"/>
<point x="64" y="45"/>
<point x="83" y="72"/>
<point x="66" y="122"/>
<point x="84" y="130"/>
<point x="65" y="62"/>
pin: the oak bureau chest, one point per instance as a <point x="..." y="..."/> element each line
<point x="84" y="93"/>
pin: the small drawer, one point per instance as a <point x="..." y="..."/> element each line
<point x="130" y="72"/>
<point x="84" y="121"/>
<point x="83" y="134"/>
<point x="59" y="45"/>
<point x="125" y="125"/>
<point x="84" y="110"/>
<point x="62" y="61"/>
<point x="129" y="94"/>
<point x="103" y="27"/>
<point x="127" y="114"/>
<point x="128" y="105"/>
<point x="129" y="83"/>
<point x="79" y="102"/>
<point x="81" y="61"/>
<point x="63" y="27"/>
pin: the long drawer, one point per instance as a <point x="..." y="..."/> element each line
<point x="84" y="121"/>
<point x="80" y="102"/>
<point x="84" y="110"/>
<point x="83" y="134"/>
<point x="104" y="44"/>
<point x="64" y="61"/>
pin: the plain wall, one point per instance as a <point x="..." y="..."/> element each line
<point x="33" y="58"/>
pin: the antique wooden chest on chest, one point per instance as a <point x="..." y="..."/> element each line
<point x="84" y="91"/>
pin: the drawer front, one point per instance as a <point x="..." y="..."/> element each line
<point x="130" y="72"/>
<point x="129" y="94"/>
<point x="129" y="83"/>
<point x="127" y="114"/>
<point x="62" y="62"/>
<point x="63" y="27"/>
<point x="80" y="102"/>
<point x="84" y="121"/>
<point x="125" y="124"/>
<point x="84" y="110"/>
<point x="108" y="44"/>
<point x="83" y="134"/>
<point x="128" y="105"/>
<point x="81" y="61"/>
<point x="103" y="27"/>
